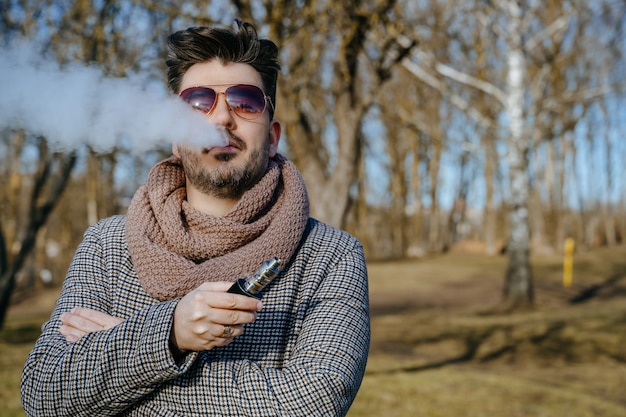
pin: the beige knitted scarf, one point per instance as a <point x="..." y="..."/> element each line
<point x="175" y="247"/>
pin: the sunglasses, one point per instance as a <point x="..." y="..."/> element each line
<point x="246" y="101"/>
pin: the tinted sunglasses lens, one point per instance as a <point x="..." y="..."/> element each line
<point x="248" y="101"/>
<point x="200" y="98"/>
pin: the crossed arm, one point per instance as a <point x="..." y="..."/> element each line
<point x="205" y="318"/>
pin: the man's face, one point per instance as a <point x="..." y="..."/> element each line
<point x="228" y="171"/>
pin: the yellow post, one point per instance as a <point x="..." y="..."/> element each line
<point x="568" y="262"/>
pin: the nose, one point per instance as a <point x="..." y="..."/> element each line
<point x="222" y="114"/>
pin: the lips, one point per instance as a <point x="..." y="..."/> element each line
<point x="223" y="149"/>
<point x="234" y="144"/>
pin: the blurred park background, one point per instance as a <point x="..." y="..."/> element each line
<point x="475" y="147"/>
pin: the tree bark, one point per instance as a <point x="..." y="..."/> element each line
<point x="518" y="288"/>
<point x="47" y="189"/>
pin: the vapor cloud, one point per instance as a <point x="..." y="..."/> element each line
<point x="77" y="105"/>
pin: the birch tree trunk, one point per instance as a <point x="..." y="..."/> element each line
<point x="518" y="288"/>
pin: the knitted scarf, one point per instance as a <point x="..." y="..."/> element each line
<point x="175" y="247"/>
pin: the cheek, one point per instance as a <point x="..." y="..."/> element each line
<point x="189" y="159"/>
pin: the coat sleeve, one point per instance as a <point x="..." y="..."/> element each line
<point x="327" y="364"/>
<point x="104" y="372"/>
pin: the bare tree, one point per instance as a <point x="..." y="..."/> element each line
<point x="522" y="48"/>
<point x="334" y="73"/>
<point x="49" y="180"/>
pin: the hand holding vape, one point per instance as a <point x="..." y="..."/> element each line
<point x="254" y="284"/>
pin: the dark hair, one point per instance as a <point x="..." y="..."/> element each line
<point x="201" y="44"/>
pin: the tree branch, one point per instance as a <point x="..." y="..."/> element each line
<point x="455" y="99"/>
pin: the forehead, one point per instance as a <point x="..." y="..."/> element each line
<point x="219" y="73"/>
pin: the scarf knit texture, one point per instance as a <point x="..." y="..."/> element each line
<point x="175" y="247"/>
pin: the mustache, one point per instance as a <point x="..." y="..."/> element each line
<point x="235" y="141"/>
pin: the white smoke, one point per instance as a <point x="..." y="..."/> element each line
<point x="77" y="105"/>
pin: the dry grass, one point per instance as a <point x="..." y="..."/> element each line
<point x="484" y="392"/>
<point x="23" y="325"/>
<point x="439" y="349"/>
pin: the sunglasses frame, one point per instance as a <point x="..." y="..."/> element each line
<point x="266" y="99"/>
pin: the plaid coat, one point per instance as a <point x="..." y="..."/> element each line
<point x="305" y="354"/>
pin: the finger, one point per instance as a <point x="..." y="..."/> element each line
<point x="80" y="323"/>
<point x="106" y="321"/>
<point x="71" y="334"/>
<point x="218" y="286"/>
<point x="227" y="331"/>
<point x="229" y="301"/>
<point x="217" y="342"/>
<point x="231" y="317"/>
<point x="200" y="316"/>
<point x="235" y="301"/>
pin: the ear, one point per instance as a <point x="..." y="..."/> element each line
<point x="175" y="150"/>
<point x="274" y="136"/>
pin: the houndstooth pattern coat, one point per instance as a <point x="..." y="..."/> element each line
<point x="305" y="354"/>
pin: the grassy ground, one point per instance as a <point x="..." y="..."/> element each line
<point x="16" y="340"/>
<point x="441" y="349"/>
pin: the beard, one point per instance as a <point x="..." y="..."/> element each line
<point x="228" y="180"/>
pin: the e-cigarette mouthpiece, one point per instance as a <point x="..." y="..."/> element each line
<point x="255" y="283"/>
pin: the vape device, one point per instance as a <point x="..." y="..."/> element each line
<point x="254" y="284"/>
